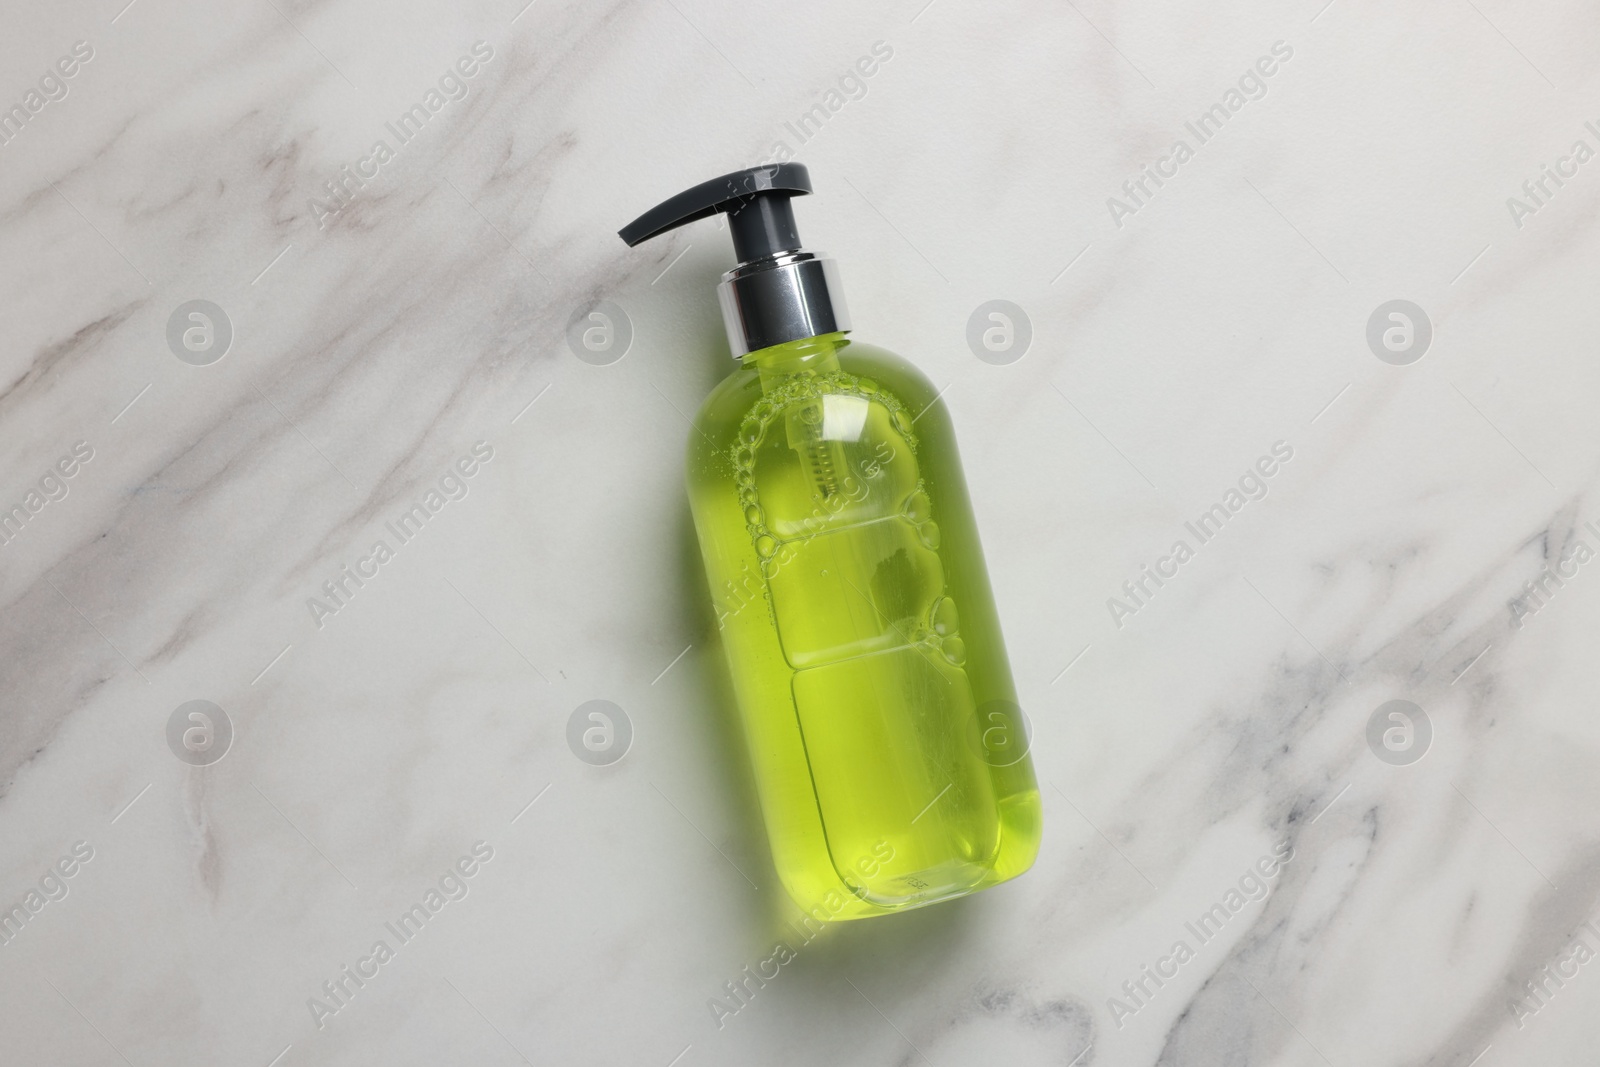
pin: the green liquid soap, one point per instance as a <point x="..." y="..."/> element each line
<point x="890" y="755"/>
<point x="860" y="630"/>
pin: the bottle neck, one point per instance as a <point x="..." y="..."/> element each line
<point x="809" y="355"/>
<point x="785" y="297"/>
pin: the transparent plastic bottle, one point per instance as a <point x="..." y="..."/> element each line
<point x="889" y="752"/>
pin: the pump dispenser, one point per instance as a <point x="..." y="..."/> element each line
<point x="890" y="755"/>
<point x="777" y="293"/>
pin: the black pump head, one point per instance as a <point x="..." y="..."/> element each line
<point x="756" y="202"/>
<point x="778" y="293"/>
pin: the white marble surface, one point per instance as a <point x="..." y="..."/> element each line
<point x="1228" y="715"/>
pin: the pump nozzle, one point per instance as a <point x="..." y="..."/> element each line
<point x="756" y="202"/>
<point x="778" y="292"/>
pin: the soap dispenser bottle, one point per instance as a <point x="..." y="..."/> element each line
<point x="890" y="755"/>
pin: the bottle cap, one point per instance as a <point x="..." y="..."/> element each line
<point x="778" y="292"/>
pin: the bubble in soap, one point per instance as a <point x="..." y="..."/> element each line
<point x="917" y="508"/>
<point x="766" y="546"/>
<point x="946" y="620"/>
<point x="929" y="532"/>
<point x="752" y="515"/>
<point x="955" y="650"/>
<point x="901" y="421"/>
